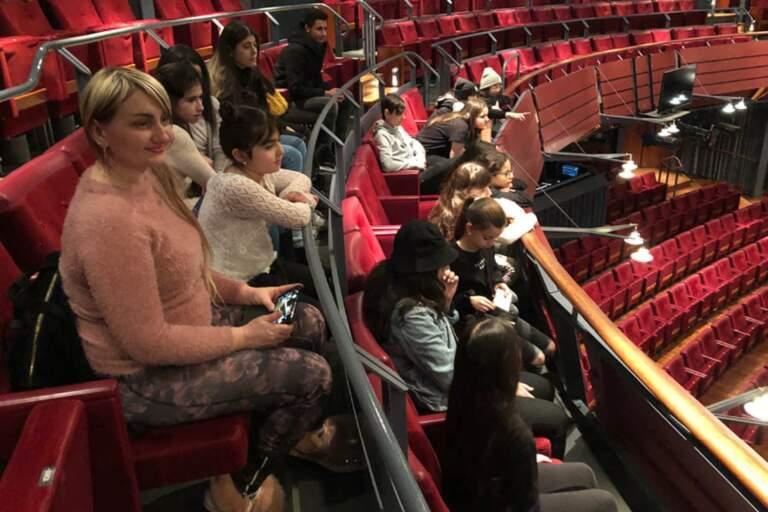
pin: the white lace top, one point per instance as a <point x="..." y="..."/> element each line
<point x="236" y="213"/>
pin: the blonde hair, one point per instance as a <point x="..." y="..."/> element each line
<point x="453" y="192"/>
<point x="102" y="97"/>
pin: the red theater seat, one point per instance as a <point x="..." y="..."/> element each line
<point x="53" y="441"/>
<point x="625" y="276"/>
<point x="735" y="281"/>
<point x="641" y="37"/>
<point x="677" y="319"/>
<point x="703" y="293"/>
<point x="597" y="251"/>
<point x="655" y="325"/>
<point x="603" y="301"/>
<point x="755" y="259"/>
<point x="728" y="221"/>
<point x="749" y="271"/>
<point x="672" y="252"/>
<point x="649" y="275"/>
<point x="743" y="323"/>
<point x="718" y="349"/>
<point x="196" y="35"/>
<point x="689" y="379"/>
<point x="81" y="16"/>
<point x="724" y="238"/>
<point x="614" y="292"/>
<point x="753" y="308"/>
<point x="723" y="288"/>
<point x="144" y="47"/>
<point x="623" y="8"/>
<point x="428" y="27"/>
<point x="692" y="306"/>
<point x="33" y="204"/>
<point x="572" y="253"/>
<point x="696" y="360"/>
<point x="724" y="331"/>
<point x="664" y="265"/>
<point x="362" y="249"/>
<point x="692" y="248"/>
<point x="645" y="339"/>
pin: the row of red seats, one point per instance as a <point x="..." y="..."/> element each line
<point x="587" y="257"/>
<point x="420" y="33"/>
<point x="696" y="297"/>
<point x="657" y="222"/>
<point x="523" y="60"/>
<point x="33" y="204"/>
<point x="631" y="282"/>
<point x="709" y="353"/>
<point x="627" y="196"/>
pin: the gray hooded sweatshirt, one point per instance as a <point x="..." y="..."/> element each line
<point x="397" y="149"/>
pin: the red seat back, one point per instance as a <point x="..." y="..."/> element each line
<point x="361" y="248"/>
<point x="23" y="17"/>
<point x="33" y="204"/>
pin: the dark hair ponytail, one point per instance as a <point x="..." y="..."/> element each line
<point x="482" y="213"/>
<point x="243" y="127"/>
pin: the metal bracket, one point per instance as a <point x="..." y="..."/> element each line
<point x="159" y="40"/>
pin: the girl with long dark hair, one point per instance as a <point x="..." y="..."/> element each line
<point x="204" y="131"/>
<point x="491" y="462"/>
<point x="236" y="78"/>
<point x="468" y="180"/>
<point x="184" y="88"/>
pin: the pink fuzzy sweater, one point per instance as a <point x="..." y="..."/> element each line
<point x="133" y="272"/>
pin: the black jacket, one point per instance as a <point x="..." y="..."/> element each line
<point x="299" y="67"/>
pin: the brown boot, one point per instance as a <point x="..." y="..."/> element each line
<point x="335" y="446"/>
<point x="223" y="496"/>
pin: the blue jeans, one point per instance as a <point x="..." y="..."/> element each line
<point x="295" y="151"/>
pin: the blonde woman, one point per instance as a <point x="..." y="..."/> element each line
<point x="135" y="266"/>
<point x="444" y="138"/>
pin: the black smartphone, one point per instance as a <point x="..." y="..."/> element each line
<point x="286" y="305"/>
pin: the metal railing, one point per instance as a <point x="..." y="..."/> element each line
<point x="389" y="441"/>
<point x="372" y="21"/>
<point x="61" y="45"/>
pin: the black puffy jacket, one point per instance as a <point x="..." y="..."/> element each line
<point x="299" y="67"/>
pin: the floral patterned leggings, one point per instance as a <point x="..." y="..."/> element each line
<point x="283" y="387"/>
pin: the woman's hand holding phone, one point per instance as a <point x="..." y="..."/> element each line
<point x="266" y="295"/>
<point x="262" y="332"/>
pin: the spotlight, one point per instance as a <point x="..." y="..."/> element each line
<point x="758" y="408"/>
<point x="740" y="105"/>
<point x="664" y="132"/>
<point x="642" y="255"/>
<point x="634" y="238"/>
<point x="627" y="168"/>
<point x="673" y="129"/>
<point x="676" y="101"/>
<point x="395" y="77"/>
<point x="728" y="108"/>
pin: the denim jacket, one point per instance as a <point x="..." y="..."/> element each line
<point x="422" y="344"/>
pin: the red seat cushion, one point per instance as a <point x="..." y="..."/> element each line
<point x="180" y="453"/>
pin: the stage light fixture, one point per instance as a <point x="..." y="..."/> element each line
<point x="634" y="238"/>
<point x="728" y="108"/>
<point x="741" y="105"/>
<point x="642" y="255"/>
<point x="673" y="129"/>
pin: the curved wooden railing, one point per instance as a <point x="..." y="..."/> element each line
<point x="745" y="464"/>
<point x="528" y="77"/>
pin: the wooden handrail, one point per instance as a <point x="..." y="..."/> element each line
<point x="510" y="88"/>
<point x="744" y="463"/>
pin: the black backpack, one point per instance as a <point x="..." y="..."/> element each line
<point x="45" y="349"/>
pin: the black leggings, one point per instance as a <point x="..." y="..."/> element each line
<point x="438" y="168"/>
<point x="282" y="272"/>
<point x="571" y="487"/>
<point x="544" y="417"/>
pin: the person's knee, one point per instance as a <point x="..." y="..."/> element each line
<point x="318" y="377"/>
<point x="581" y="475"/>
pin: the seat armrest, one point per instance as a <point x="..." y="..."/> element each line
<point x="401" y="209"/>
<point x="696" y="372"/>
<point x="753" y="320"/>
<point x="50" y="470"/>
<point x="405" y="182"/>
<point x="710" y="358"/>
<point x="725" y="344"/>
<point x="742" y="333"/>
